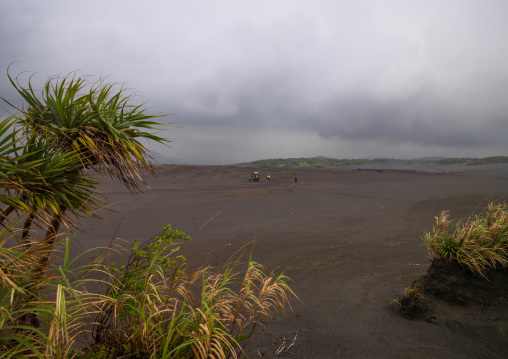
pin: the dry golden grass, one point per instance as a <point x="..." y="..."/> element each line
<point x="152" y="307"/>
<point x="480" y="243"/>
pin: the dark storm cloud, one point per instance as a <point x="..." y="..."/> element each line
<point x="422" y="117"/>
<point x="430" y="75"/>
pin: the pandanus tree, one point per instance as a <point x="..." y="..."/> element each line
<point x="39" y="181"/>
<point x="49" y="146"/>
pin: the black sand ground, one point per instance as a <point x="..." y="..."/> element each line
<point x="349" y="238"/>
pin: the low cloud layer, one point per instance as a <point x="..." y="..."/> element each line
<point x="289" y="78"/>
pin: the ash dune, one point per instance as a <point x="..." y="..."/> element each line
<point x="350" y="239"/>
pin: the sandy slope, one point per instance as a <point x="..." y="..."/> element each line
<point x="349" y="238"/>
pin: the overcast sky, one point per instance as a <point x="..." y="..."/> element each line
<point x="247" y="80"/>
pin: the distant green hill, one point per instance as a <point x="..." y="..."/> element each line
<point x="303" y="162"/>
<point x="325" y="162"/>
<point x="474" y="161"/>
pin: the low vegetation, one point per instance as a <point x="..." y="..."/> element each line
<point x="325" y="162"/>
<point x="147" y="307"/>
<point x="315" y="162"/>
<point x="469" y="262"/>
<point x="474" y="161"/>
<point x="413" y="302"/>
<point x="480" y="243"/>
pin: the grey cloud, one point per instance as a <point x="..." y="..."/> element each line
<point x="422" y="117"/>
<point x="431" y="75"/>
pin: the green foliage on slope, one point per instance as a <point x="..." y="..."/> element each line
<point x="325" y="162"/>
<point x="302" y="162"/>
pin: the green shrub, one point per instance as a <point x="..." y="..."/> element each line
<point x="480" y="243"/>
<point x="149" y="308"/>
<point x="413" y="302"/>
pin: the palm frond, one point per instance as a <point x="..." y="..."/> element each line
<point x="100" y="123"/>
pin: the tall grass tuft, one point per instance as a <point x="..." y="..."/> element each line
<point x="148" y="308"/>
<point x="480" y="243"/>
<point x="43" y="311"/>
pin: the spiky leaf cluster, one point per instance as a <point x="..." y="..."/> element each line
<point x="96" y="120"/>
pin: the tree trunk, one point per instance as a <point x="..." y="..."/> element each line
<point x="4" y="213"/>
<point x="51" y="234"/>
<point x="25" y="238"/>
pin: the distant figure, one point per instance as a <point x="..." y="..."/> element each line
<point x="296" y="180"/>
